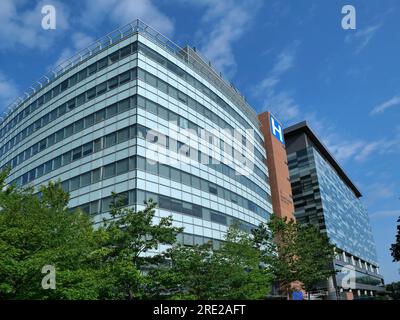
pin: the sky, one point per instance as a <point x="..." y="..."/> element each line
<point x="291" y="57"/>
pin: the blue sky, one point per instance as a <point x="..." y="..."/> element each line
<point x="288" y="56"/>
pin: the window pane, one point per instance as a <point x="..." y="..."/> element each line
<point x="66" y="158"/>
<point x="101" y="88"/>
<point x="74" y="183"/>
<point x="87" y="149"/>
<point x="125" y="51"/>
<point x="80" y="99"/>
<point x="151" y="80"/>
<point x="100" y="115"/>
<point x="89" y="121"/>
<point x="92" y="68"/>
<point x="112" y="83"/>
<point x="91" y="93"/>
<point x="77" y="153"/>
<point x="78" y="126"/>
<point x="96" y="175"/>
<point x="109" y="171"/>
<point x="185" y="178"/>
<point x="123" y="135"/>
<point x="124" y="77"/>
<point x="97" y="145"/>
<point x="111" y="140"/>
<point x="152" y="167"/>
<point x="69" y="130"/>
<point x="123" y="105"/>
<point x="60" y="135"/>
<point x="102" y="63"/>
<point x="114" y="57"/>
<point x="111" y="111"/>
<point x="123" y="166"/>
<point x="85" y="179"/>
<point x="164" y="171"/>
<point x="175" y="175"/>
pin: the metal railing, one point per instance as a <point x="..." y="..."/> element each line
<point x="189" y="57"/>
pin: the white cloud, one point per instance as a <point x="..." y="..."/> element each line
<point x="280" y="102"/>
<point x="23" y="27"/>
<point x="395" y="101"/>
<point x="362" y="37"/>
<point x="121" y="12"/>
<point x="8" y="91"/>
<point x="222" y="25"/>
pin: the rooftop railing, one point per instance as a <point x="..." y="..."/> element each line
<point x="189" y="57"/>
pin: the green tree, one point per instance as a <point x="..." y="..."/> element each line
<point x="295" y="253"/>
<point x="277" y="240"/>
<point x="393" y="290"/>
<point x="129" y="238"/>
<point x="395" y="248"/>
<point x="314" y="257"/>
<point x="35" y="232"/>
<point x="232" y="271"/>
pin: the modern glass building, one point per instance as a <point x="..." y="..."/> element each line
<point x="136" y="114"/>
<point x="324" y="195"/>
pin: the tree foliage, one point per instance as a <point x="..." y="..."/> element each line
<point x="395" y="248"/>
<point x="232" y="271"/>
<point x="295" y="253"/>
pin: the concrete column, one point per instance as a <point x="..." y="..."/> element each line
<point x="352" y="260"/>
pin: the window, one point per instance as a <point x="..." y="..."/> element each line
<point x="78" y="126"/>
<point x="162" y="86"/>
<point x="69" y="130"/>
<point x="123" y="135"/>
<point x="62" y="110"/>
<point x="87" y="149"/>
<point x="102" y="63"/>
<point x="73" y="80"/>
<point x="74" y="183"/>
<point x="173" y="117"/>
<point x="57" y="163"/>
<point x="80" y="99"/>
<point x="219" y="218"/>
<point x="112" y="83"/>
<point x="186" y="178"/>
<point x="126" y="51"/>
<point x="71" y="104"/>
<point x="163" y="113"/>
<point x="123" y="105"/>
<point x="151" y="167"/>
<point x="111" y="140"/>
<point x="124" y="77"/>
<point x="51" y="140"/>
<point x="182" y="97"/>
<point x="47" y="166"/>
<point x="91" y="93"/>
<point x="97" y="145"/>
<point x="53" y="115"/>
<point x="195" y="182"/>
<point x="77" y="153"/>
<point x="173" y="92"/>
<point x="106" y="204"/>
<point x="94" y="207"/>
<point x="96" y="175"/>
<point x="40" y="170"/>
<point x="164" y="171"/>
<point x="111" y="110"/>
<point x="101" y="88"/>
<point x="114" y="57"/>
<point x="151" y="80"/>
<point x="212" y="189"/>
<point x="42" y="145"/>
<point x="151" y="107"/>
<point x="109" y="171"/>
<point x="89" y="121"/>
<point x="100" y="115"/>
<point x="82" y="74"/>
<point x="132" y="163"/>
<point x="122" y="166"/>
<point x="66" y="158"/>
<point x="183" y="123"/>
<point x="92" y="68"/>
<point x="175" y="175"/>
<point x="85" y="179"/>
<point x="141" y="163"/>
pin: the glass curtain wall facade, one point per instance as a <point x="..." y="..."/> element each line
<point x="325" y="196"/>
<point x="141" y="117"/>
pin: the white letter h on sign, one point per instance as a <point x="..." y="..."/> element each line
<point x="276" y="129"/>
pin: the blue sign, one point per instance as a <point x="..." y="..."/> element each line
<point x="276" y="129"/>
<point x="297" y="295"/>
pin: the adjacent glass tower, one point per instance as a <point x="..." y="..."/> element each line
<point x="138" y="115"/>
<point x="324" y="195"/>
